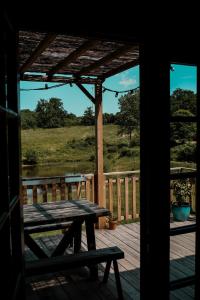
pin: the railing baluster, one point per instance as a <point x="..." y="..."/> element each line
<point x="35" y="194"/>
<point x="134" y="198"/>
<point x="110" y="194"/>
<point x="93" y="188"/>
<point x="62" y="189"/>
<point x="126" y="199"/>
<point x="24" y="194"/>
<point x="88" y="189"/>
<point x="44" y="192"/>
<point x="119" y="199"/>
<point x="53" y="191"/>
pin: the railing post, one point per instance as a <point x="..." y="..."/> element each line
<point x="99" y="176"/>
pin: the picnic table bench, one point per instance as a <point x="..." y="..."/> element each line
<point x="60" y="263"/>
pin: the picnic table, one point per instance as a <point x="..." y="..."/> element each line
<point x="57" y="215"/>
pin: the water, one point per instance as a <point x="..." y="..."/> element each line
<point x="58" y="169"/>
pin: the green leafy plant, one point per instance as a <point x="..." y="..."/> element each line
<point x="182" y="190"/>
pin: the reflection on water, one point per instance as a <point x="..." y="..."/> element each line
<point x="58" y="170"/>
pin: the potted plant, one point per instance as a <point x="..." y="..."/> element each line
<point x="181" y="207"/>
<point x="112" y="222"/>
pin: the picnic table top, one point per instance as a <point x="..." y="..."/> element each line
<point x="61" y="211"/>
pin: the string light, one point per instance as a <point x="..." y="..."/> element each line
<point x="104" y="89"/>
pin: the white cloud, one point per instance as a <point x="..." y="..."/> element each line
<point x="127" y="81"/>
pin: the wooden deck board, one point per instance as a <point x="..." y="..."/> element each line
<point x="75" y="284"/>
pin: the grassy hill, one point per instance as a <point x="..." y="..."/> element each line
<point x="76" y="145"/>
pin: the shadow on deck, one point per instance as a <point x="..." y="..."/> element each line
<point x="75" y="284"/>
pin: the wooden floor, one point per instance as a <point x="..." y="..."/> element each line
<point x="76" y="285"/>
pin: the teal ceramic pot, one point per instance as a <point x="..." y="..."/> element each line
<point x="181" y="213"/>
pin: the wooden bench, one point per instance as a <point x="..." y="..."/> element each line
<point x="88" y="258"/>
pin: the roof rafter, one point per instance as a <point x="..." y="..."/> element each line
<point x="121" y="68"/>
<point x="105" y="59"/>
<point x="41" y="78"/>
<point x="49" y="38"/>
<point x="71" y="57"/>
<point x="85" y="91"/>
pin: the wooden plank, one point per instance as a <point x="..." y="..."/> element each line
<point x="71" y="57"/>
<point x="126" y="198"/>
<point x="85" y="91"/>
<point x="24" y="194"/>
<point x="119" y="199"/>
<point x="37" y="52"/>
<point x="99" y="176"/>
<point x="54" y="189"/>
<point x="35" y="194"/>
<point x="44" y="192"/>
<point x="58" y="79"/>
<point x="110" y="194"/>
<point x="134" y="198"/>
<point x="88" y="189"/>
<point x="62" y="189"/>
<point x="92" y="189"/>
<point x="73" y="261"/>
<point x="121" y="68"/>
<point x="106" y="59"/>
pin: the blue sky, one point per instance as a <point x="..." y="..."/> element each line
<point x="76" y="102"/>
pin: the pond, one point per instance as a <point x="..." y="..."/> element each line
<point x="57" y="169"/>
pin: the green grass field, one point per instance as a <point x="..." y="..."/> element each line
<point x="73" y="147"/>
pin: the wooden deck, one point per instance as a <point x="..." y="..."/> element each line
<point x="75" y="284"/>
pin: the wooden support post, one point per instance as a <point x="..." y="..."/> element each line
<point x="99" y="177"/>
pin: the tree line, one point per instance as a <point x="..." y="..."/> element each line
<point x="51" y="114"/>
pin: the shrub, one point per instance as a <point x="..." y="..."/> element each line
<point x="126" y="152"/>
<point x="30" y="157"/>
<point x="186" y="152"/>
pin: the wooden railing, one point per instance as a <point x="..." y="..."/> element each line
<point x="121" y="191"/>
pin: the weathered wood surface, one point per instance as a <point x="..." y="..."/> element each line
<point x="75" y="55"/>
<point x="62" y="211"/>
<point x="59" y="263"/>
<point x="74" y="285"/>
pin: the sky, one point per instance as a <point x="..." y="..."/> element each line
<point x="76" y="102"/>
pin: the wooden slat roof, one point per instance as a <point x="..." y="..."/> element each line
<point x="71" y="55"/>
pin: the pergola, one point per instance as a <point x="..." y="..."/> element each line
<point x="88" y="56"/>
<point x="79" y="60"/>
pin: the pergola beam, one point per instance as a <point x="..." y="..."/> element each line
<point x="85" y="91"/>
<point x="42" y="78"/>
<point x="106" y="59"/>
<point x="99" y="175"/>
<point x="71" y="57"/>
<point x="121" y="68"/>
<point x="37" y="52"/>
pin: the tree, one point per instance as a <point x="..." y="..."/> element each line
<point x="88" y="117"/>
<point x="28" y="119"/>
<point x="182" y="132"/>
<point x="50" y="114"/>
<point x="128" y="117"/>
<point x="183" y="99"/>
<point x="108" y="118"/>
